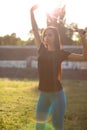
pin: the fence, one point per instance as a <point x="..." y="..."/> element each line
<point x="21" y="62"/>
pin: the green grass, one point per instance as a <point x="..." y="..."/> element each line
<point x="18" y="101"/>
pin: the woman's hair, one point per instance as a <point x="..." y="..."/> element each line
<point x="56" y="34"/>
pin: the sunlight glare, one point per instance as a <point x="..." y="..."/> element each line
<point x="44" y="8"/>
<point x="48" y="5"/>
<point x="15" y="16"/>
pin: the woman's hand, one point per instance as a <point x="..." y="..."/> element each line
<point x="34" y="25"/>
<point x="34" y="7"/>
<point x="81" y="33"/>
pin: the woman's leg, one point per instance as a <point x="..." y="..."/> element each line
<point x="43" y="110"/>
<point x="58" y="110"/>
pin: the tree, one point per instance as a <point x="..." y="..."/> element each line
<point x="11" y="40"/>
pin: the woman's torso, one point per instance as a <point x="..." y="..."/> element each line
<point x="49" y="68"/>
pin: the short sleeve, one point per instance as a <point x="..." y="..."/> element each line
<point x="64" y="54"/>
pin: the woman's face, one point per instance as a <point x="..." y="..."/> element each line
<point x="49" y="37"/>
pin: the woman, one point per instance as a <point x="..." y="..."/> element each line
<point x="52" y="97"/>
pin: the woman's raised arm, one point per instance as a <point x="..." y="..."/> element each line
<point x="34" y="26"/>
<point x="83" y="56"/>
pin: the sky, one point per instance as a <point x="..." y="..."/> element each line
<point x="15" y="15"/>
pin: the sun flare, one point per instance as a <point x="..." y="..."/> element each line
<point x="73" y="14"/>
<point x="49" y="5"/>
<point x="15" y="16"/>
<point x="46" y="7"/>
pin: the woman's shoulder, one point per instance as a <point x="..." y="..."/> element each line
<point x="42" y="48"/>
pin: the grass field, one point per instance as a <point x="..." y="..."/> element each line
<point x="18" y="101"/>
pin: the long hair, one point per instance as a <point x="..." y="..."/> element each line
<point x="56" y="34"/>
<point x="57" y="42"/>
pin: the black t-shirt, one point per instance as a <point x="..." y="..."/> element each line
<point x="49" y="64"/>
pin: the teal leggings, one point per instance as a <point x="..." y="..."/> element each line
<point x="54" y="103"/>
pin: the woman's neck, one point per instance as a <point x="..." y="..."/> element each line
<point x="51" y="48"/>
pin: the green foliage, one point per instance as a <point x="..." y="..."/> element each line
<point x="18" y="101"/>
<point x="12" y="40"/>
